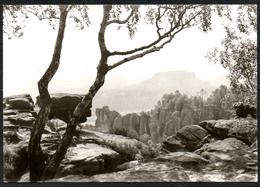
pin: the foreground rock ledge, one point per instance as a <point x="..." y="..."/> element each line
<point x="242" y="129"/>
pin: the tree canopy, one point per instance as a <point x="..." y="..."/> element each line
<point x="239" y="50"/>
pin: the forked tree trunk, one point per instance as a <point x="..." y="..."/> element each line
<point x="35" y="155"/>
<point x="54" y="163"/>
<point x="102" y="70"/>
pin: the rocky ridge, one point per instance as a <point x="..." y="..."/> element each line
<point x="214" y="150"/>
<point x="157" y="124"/>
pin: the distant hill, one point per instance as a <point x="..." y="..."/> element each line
<point x="181" y="80"/>
<point x="144" y="95"/>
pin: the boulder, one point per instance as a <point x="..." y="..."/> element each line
<point x="242" y="129"/>
<point x="24" y="96"/>
<point x="88" y="159"/>
<point x="193" y="136"/>
<point x="230" y="155"/>
<point x="188" y="138"/>
<point x="243" y="110"/>
<point x="173" y="144"/>
<point x="228" y="144"/>
<point x="63" y="105"/>
<point x="20" y="103"/>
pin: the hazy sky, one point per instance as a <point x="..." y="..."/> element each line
<point x="25" y="59"/>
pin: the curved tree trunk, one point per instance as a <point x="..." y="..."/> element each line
<point x="35" y="155"/>
<point x="102" y="70"/>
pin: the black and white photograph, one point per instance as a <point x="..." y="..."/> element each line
<point x="129" y="93"/>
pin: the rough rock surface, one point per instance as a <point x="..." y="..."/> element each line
<point x="243" y="129"/>
<point x="63" y="105"/>
<point x="105" y="119"/>
<point x="187" y="138"/>
<point x="6" y="100"/>
<point x="18" y="111"/>
<point x="230" y="155"/>
<point x="20" y="103"/>
<point x="184" y="159"/>
<point x="55" y="126"/>
<point x="228" y="144"/>
<point x="88" y="159"/>
<point x="154" y="171"/>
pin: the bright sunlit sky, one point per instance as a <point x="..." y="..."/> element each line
<point x="25" y="59"/>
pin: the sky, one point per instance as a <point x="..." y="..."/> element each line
<point x="25" y="59"/>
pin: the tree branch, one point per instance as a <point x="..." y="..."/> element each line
<point x="101" y="33"/>
<point x="7" y="23"/>
<point x="41" y="17"/>
<point x="140" y="55"/>
<point x="153" y="43"/>
<point x="122" y="21"/>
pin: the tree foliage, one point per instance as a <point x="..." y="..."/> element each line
<point x="15" y="17"/>
<point x="239" y="50"/>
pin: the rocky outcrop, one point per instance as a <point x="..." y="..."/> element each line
<point x="243" y="110"/>
<point x="184" y="159"/>
<point x="55" y="126"/>
<point x="105" y="119"/>
<point x="26" y="101"/>
<point x="132" y="124"/>
<point x="19" y="111"/>
<point x="20" y="103"/>
<point x="63" y="106"/>
<point x="144" y="124"/>
<point x="166" y="123"/>
<point x="158" y="124"/>
<point x="177" y="167"/>
<point x="242" y="129"/>
<point x="230" y="154"/>
<point x="188" y="138"/>
<point x="228" y="144"/>
<point x="88" y="159"/>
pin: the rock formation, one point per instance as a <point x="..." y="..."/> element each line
<point x="158" y="123"/>
<point x="188" y="138"/>
<point x="18" y="110"/>
<point x="243" y="110"/>
<point x="105" y="119"/>
<point x="63" y="105"/>
<point x="242" y="129"/>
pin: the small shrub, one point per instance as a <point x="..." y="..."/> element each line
<point x="144" y="138"/>
<point x="15" y="161"/>
<point x="126" y="151"/>
<point x="149" y="152"/>
<point x="118" y="131"/>
<point x="133" y="134"/>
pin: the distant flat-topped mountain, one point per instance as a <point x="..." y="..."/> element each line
<point x="172" y="80"/>
<point x="144" y="95"/>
